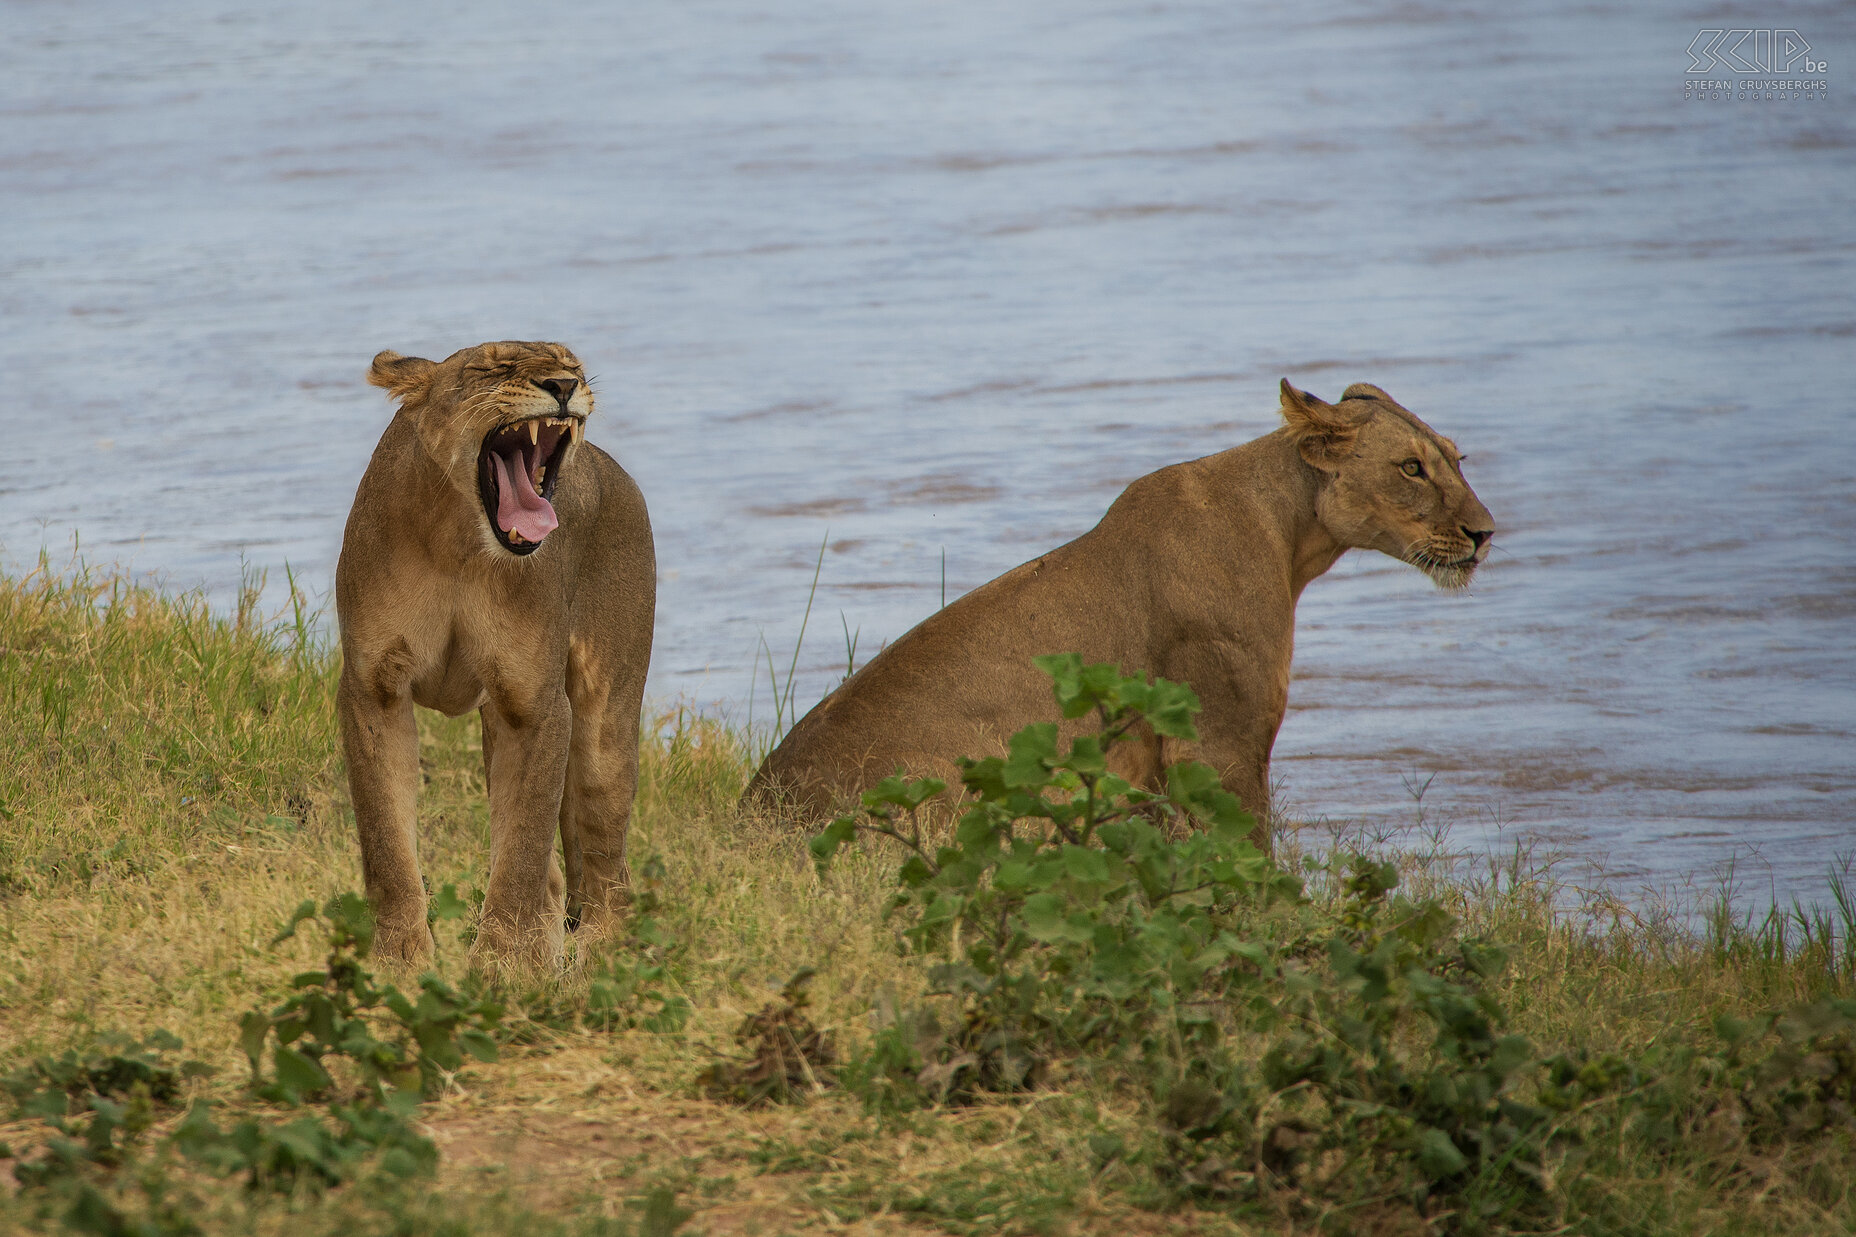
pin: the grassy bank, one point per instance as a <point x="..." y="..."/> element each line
<point x="170" y="794"/>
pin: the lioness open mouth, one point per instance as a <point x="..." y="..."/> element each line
<point x="517" y="470"/>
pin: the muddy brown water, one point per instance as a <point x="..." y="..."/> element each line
<point x="931" y="283"/>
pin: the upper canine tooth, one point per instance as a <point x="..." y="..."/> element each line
<point x="534" y="432"/>
<point x="575" y="429"/>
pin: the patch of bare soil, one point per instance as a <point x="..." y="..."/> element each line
<point x="565" y="1130"/>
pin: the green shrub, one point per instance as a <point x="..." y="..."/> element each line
<point x="1384" y="1073"/>
<point x="1320" y="1054"/>
<point x="116" y="1067"/>
<point x="97" y="1176"/>
<point x="1070" y="911"/>
<point x="340" y="1011"/>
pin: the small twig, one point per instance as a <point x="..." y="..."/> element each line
<point x="913" y="843"/>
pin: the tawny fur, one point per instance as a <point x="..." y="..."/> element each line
<point x="1192" y="575"/>
<point x="550" y="648"/>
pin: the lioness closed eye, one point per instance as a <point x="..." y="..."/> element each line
<point x="495" y="560"/>
<point x="1193" y="575"/>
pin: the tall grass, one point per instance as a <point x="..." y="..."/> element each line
<point x="170" y="790"/>
<point x="140" y="726"/>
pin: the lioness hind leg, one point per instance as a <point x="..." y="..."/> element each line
<point x="595" y="817"/>
<point x="596" y="809"/>
<point x="523" y="903"/>
<point x="380" y="742"/>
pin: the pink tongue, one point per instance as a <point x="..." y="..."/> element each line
<point x="519" y="509"/>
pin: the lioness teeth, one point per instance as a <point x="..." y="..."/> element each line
<point x="534" y="432"/>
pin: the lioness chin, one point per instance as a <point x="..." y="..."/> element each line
<point x="1192" y="575"/>
<point x="495" y="560"/>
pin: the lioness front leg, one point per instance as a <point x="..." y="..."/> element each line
<point x="1236" y="732"/>
<point x="381" y="743"/>
<point x="523" y="907"/>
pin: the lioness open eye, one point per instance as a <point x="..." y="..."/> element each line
<point x="1412" y="468"/>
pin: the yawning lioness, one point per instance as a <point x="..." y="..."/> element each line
<point x="495" y="560"/>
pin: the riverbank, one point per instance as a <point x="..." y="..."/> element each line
<point x="170" y="792"/>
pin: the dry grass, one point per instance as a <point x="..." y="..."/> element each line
<point x="169" y="791"/>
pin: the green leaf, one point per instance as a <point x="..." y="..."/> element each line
<point x="1255" y="953"/>
<point x="1197" y="788"/>
<point x="671" y="1016"/>
<point x="1512" y="1052"/>
<point x="253" y="1029"/>
<point x="297" y="1074"/>
<point x="1170" y="708"/>
<point x="477" y="1044"/>
<point x="306" y="909"/>
<point x="1012" y="876"/>
<point x="1087" y="756"/>
<point x="1438" y="1157"/>
<point x="437" y="1045"/>
<point x="897" y="791"/>
<point x="661" y="1216"/>
<point x="1064" y="670"/>
<point x="1045" y="920"/>
<point x="985" y="778"/>
<point x="976" y="829"/>
<point x="1426" y="923"/>
<point x="398" y="1005"/>
<point x="1031" y="753"/>
<point x="824" y="844"/>
<point x="1736" y="1031"/>
<point x="349" y="914"/>
<point x="1101" y="683"/>
<point x="1486" y="960"/>
<point x="1086" y="865"/>
<point x="447" y="905"/>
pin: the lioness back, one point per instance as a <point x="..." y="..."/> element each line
<point x="959" y="683"/>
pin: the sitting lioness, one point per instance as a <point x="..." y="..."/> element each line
<point x="1192" y="575"/>
<point x="495" y="560"/>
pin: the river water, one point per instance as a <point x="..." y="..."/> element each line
<point x="928" y="284"/>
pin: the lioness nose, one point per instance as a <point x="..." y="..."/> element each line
<point x="562" y="389"/>
<point x="1478" y="535"/>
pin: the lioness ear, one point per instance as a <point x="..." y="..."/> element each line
<point x="400" y="375"/>
<point x="1323" y="433"/>
<point x="1366" y="390"/>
